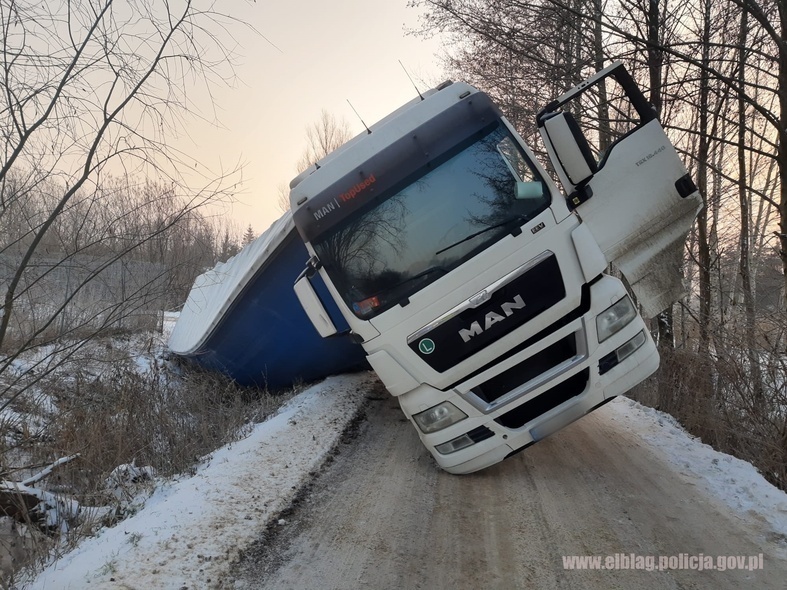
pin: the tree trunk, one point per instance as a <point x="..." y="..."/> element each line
<point x="604" y="132"/>
<point x="655" y="61"/>
<point x="782" y="154"/>
<point x="745" y="233"/>
<point x="703" y="245"/>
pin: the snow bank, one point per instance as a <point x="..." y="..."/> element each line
<point x="191" y="529"/>
<point x="736" y="483"/>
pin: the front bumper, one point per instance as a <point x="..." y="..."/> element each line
<point x="547" y="398"/>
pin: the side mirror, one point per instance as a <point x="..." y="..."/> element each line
<point x="313" y="307"/>
<point x="570" y="147"/>
<point x="533" y="190"/>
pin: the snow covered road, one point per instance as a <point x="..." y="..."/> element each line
<point x="623" y="481"/>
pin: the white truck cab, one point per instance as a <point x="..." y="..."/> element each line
<point x="476" y="287"/>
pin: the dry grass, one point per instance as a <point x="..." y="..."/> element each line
<point x="715" y="398"/>
<point x="111" y="410"/>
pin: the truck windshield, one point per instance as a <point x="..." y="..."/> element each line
<point x="431" y="223"/>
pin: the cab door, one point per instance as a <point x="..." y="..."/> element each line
<point x="623" y="177"/>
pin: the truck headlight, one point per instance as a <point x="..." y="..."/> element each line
<point x="438" y="417"/>
<point x="615" y="318"/>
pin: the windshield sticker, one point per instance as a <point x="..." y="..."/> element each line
<point x="367" y="306"/>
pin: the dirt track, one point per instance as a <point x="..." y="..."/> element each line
<point x="383" y="516"/>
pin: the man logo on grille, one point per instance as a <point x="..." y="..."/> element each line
<point x="492" y="318"/>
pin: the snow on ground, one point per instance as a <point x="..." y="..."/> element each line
<point x="190" y="529"/>
<point x="734" y="482"/>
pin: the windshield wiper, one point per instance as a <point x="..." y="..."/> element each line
<point x="520" y="218"/>
<point x="423" y="273"/>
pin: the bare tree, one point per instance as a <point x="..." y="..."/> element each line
<point x="91" y="94"/>
<point x="283" y="197"/>
<point x="322" y="137"/>
<point x="228" y="244"/>
<point x="102" y="224"/>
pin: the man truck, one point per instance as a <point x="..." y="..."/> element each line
<point x="477" y="281"/>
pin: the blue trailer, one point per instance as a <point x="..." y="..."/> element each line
<point x="243" y="319"/>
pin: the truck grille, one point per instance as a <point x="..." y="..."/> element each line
<point x="496" y="387"/>
<point x="460" y="335"/>
<point x="571" y="387"/>
<point x="576" y="313"/>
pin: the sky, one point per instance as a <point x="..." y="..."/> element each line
<point x="309" y="56"/>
